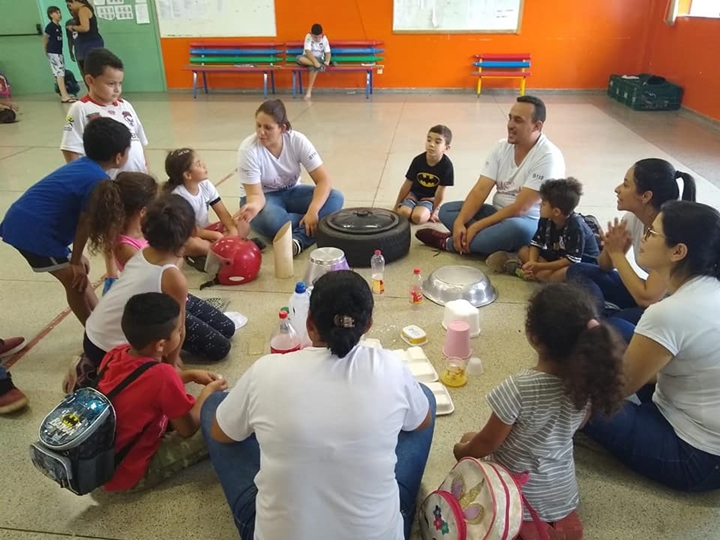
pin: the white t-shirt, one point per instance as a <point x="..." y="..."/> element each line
<point x="687" y="324"/>
<point x="543" y="162"/>
<point x="636" y="228"/>
<point x="327" y="429"/>
<point x="139" y="276"/>
<point x="206" y="197"/>
<point x="318" y="48"/>
<point x="84" y="110"/>
<point x="258" y="166"/>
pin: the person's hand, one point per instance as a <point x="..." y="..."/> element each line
<point x="80" y="279"/>
<point x="617" y="239"/>
<point x="310" y="221"/>
<point x="201" y="376"/>
<point x="472" y="231"/>
<point x="459" y="234"/>
<point x="434" y="217"/>
<point x="460" y="450"/>
<point x="246" y="213"/>
<point x="214" y="236"/>
<point x="214" y="386"/>
<point x="530" y="267"/>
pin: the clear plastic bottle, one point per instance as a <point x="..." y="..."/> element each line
<point x="416" y="289"/>
<point x="285" y="339"/>
<point x="299" y="305"/>
<point x="377" y="263"/>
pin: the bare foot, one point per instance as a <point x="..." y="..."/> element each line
<point x="308" y="96"/>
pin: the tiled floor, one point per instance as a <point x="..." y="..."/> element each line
<point x="366" y="146"/>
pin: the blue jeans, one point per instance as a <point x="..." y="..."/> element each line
<point x="608" y="287"/>
<point x="291" y="205"/>
<point x="509" y="235"/>
<point x="3" y="373"/>
<point x="238" y="464"/>
<point x="641" y="438"/>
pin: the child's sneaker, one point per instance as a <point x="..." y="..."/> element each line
<point x="81" y="373"/>
<point x="503" y="262"/>
<point x="10" y="346"/>
<point x="11" y="398"/>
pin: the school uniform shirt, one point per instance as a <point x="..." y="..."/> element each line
<point x="543" y="162"/>
<point x="327" y="429"/>
<point x="319" y="49"/>
<point x="636" y="228"/>
<point x="574" y="241"/>
<point x="55" y="38"/>
<point x="687" y="324"/>
<point x="258" y="166"/>
<point x="143" y="410"/>
<point x="207" y="196"/>
<point x="84" y="110"/>
<point x="543" y="421"/>
<point x="45" y="218"/>
<point x="426" y="178"/>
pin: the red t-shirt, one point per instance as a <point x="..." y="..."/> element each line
<point x="148" y="403"/>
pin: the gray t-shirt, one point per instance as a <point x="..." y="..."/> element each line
<point x="544" y="421"/>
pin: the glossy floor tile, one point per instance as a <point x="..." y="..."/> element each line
<point x="367" y="147"/>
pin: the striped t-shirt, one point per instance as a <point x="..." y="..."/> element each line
<point x="544" y="421"/>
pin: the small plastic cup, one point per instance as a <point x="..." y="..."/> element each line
<point x="457" y="340"/>
<point x="454" y="374"/>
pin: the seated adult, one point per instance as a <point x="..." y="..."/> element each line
<point x="269" y="164"/>
<point x="673" y="436"/>
<point x="517" y="167"/>
<point x="647" y="186"/>
<point x="334" y="437"/>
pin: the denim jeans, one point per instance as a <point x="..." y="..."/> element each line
<point x="641" y="438"/>
<point x="3" y="373"/>
<point x="509" y="235"/>
<point x="291" y="205"/>
<point x="237" y="465"/>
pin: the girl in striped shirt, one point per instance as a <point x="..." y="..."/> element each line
<point x="536" y="412"/>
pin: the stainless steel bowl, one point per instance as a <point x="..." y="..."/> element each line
<point x="459" y="282"/>
<point x="322" y="261"/>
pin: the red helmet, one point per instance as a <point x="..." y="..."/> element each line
<point x="238" y="260"/>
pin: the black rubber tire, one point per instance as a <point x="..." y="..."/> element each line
<point x="359" y="248"/>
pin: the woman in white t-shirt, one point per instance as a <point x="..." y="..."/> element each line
<point x="621" y="291"/>
<point x="673" y="436"/>
<point x="269" y="164"/>
<point x="333" y="438"/>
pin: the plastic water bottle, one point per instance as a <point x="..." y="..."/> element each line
<point x="416" y="290"/>
<point x="285" y="339"/>
<point x="299" y="305"/>
<point x="377" y="263"/>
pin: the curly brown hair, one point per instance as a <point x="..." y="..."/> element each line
<point x="560" y="320"/>
<point x="112" y="202"/>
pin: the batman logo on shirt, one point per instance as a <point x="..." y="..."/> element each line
<point x="427" y="180"/>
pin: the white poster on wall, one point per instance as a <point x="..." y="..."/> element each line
<point x="124" y="13"/>
<point x="142" y="14"/>
<point x="106" y="12"/>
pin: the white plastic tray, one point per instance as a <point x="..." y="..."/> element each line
<point x="445" y="403"/>
<point x="418" y="364"/>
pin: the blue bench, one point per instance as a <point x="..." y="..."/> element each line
<point x="502" y="66"/>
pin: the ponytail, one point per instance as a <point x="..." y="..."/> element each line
<point x="341" y="341"/>
<point x="105" y="216"/>
<point x="688" y="192"/>
<point x="595" y="372"/>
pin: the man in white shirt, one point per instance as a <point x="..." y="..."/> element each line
<point x="517" y="167"/>
<point x="316" y="55"/>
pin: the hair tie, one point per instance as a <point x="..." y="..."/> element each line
<point x="678" y="174"/>
<point x="592" y="323"/>
<point x="344" y="321"/>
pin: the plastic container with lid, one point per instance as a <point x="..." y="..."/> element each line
<point x="377" y="264"/>
<point x="285" y="339"/>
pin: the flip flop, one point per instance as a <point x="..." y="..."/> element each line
<point x="68" y="100"/>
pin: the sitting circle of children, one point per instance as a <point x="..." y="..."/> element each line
<point x="601" y="331"/>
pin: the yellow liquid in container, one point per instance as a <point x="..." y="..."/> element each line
<point x="454" y="375"/>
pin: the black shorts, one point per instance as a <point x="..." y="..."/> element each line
<point x="43" y="263"/>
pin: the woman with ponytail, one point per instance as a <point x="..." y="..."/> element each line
<point x="343" y="431"/>
<point x="536" y="412"/>
<point x="624" y="294"/>
<point x="673" y="360"/>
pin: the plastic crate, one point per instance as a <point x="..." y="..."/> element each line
<point x="640" y="96"/>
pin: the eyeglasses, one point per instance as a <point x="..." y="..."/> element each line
<point x="652" y="232"/>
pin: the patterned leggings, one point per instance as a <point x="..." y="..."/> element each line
<point x="207" y="330"/>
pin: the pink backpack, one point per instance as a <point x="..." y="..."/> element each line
<point x="478" y="500"/>
<point x="4" y="86"/>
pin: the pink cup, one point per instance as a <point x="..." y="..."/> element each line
<point x="457" y="340"/>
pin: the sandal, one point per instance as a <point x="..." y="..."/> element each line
<point x="68" y="100"/>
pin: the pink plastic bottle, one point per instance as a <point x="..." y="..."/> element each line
<point x="285" y="339"/>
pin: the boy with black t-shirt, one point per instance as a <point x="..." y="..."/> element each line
<point x="53" y="45"/>
<point x="422" y="193"/>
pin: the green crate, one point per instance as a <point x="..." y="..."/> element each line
<point x="639" y="96"/>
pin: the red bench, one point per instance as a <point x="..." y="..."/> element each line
<point x="502" y="66"/>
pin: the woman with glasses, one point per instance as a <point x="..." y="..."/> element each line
<point x="621" y="291"/>
<point x="672" y="361"/>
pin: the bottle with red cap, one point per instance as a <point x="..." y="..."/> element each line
<point x="377" y="263"/>
<point x="416" y="288"/>
<point x="285" y="339"/>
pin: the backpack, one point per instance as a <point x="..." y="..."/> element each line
<point x="7" y="116"/>
<point x="71" y="84"/>
<point x="594" y="224"/>
<point x="478" y="500"/>
<point x="77" y="438"/>
<point x="4" y="86"/>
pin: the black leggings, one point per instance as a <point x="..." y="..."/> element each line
<point x="207" y="333"/>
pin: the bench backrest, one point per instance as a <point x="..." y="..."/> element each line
<point x="237" y="52"/>
<point x="490" y="61"/>
<point x="344" y="52"/>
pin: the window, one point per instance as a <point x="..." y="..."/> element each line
<point x="705" y="8"/>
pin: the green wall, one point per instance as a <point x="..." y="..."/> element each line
<point x="23" y="61"/>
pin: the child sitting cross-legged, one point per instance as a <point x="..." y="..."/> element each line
<point x="536" y="412"/>
<point x="152" y="324"/>
<point x="563" y="237"/>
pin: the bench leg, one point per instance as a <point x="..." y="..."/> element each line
<point x="367" y="84"/>
<point x="479" y="86"/>
<point x="372" y="81"/>
<point x="272" y="81"/>
<point x="300" y="83"/>
<point x="265" y="84"/>
<point x="205" y="82"/>
<point x="522" y="86"/>
<point x="294" y="83"/>
<point x="194" y="84"/>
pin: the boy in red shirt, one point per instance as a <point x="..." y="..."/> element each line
<point x="152" y="325"/>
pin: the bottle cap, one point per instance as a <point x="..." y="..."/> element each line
<point x="416" y="271"/>
<point x="378" y="252"/>
<point x="300" y="287"/>
<point x="283" y="315"/>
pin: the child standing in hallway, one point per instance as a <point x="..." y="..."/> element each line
<point x="53" y="45"/>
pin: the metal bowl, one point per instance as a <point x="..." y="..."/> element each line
<point x="459" y="282"/>
<point x="322" y="261"/>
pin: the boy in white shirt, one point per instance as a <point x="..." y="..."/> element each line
<point x="316" y="55"/>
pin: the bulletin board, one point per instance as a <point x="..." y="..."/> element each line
<point x="457" y="16"/>
<point x="216" y="18"/>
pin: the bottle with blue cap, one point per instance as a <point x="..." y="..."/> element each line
<point x="299" y="305"/>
